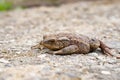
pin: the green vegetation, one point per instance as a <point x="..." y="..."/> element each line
<point x="4" y="5"/>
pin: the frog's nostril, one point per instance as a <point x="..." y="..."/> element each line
<point x="44" y="36"/>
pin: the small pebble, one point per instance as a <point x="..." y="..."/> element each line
<point x="1" y="70"/>
<point x="105" y="72"/>
<point x="2" y="60"/>
<point x="42" y="56"/>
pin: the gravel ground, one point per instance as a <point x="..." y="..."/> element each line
<point x="21" y="29"/>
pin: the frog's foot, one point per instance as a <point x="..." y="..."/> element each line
<point x="106" y="50"/>
<point x="38" y="46"/>
<point x="67" y="50"/>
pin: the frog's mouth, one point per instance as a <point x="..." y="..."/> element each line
<point x="50" y="45"/>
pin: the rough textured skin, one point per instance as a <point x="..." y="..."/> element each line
<point x="63" y="40"/>
<point x="68" y="43"/>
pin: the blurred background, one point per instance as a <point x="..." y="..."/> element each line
<point x="13" y="4"/>
<point x="24" y="22"/>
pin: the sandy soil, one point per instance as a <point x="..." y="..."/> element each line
<point x="21" y="29"/>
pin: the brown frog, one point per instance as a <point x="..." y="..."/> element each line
<point x="68" y="43"/>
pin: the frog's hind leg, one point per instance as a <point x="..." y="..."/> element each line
<point x="67" y="50"/>
<point x="105" y="49"/>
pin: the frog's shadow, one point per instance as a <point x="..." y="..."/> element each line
<point x="98" y="51"/>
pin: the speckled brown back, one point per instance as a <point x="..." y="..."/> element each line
<point x="75" y="39"/>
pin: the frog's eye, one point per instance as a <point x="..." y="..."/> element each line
<point x="51" y="40"/>
<point x="48" y="41"/>
<point x="63" y="39"/>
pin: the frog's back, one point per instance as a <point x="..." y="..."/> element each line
<point x="77" y="39"/>
<point x="73" y="37"/>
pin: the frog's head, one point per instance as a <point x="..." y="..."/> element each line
<point x="49" y="42"/>
<point x="94" y="44"/>
<point x="53" y="42"/>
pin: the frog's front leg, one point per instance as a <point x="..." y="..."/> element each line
<point x="38" y="46"/>
<point x="67" y="50"/>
